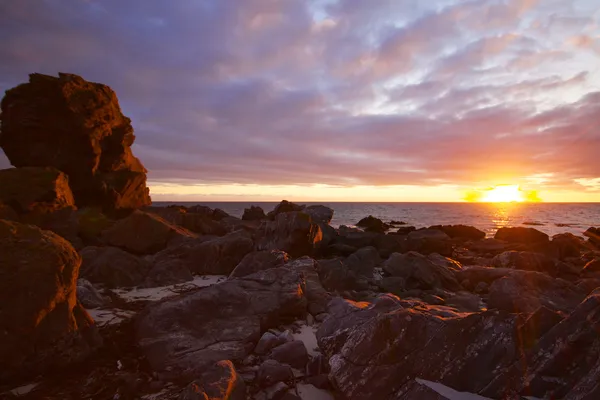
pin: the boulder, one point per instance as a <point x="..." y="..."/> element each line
<point x="143" y="233"/>
<point x="405" y="230"/>
<point x="218" y="382"/>
<point x="284" y="207"/>
<point x="267" y="342"/>
<point x="591" y="268"/>
<point x="113" y="267"/>
<point x="271" y="371"/>
<point x="292" y="353"/>
<point x="292" y="232"/>
<point x="526" y="291"/>
<point x="419" y="272"/>
<point x="316" y="296"/>
<point x="254" y="213"/>
<point x="43" y="326"/>
<point x="390" y="243"/>
<point x="76" y="127"/>
<point x="522" y="235"/>
<point x="63" y="222"/>
<point x="197" y="222"/>
<point x="35" y="190"/>
<point x="218" y="322"/>
<point x="7" y="213"/>
<point x="460" y="231"/>
<point x="258" y="261"/>
<point x="320" y="214"/>
<point x="427" y="241"/>
<point x="219" y="256"/>
<point x="88" y="296"/>
<point x="372" y="224"/>
<point x="527" y="261"/>
<point x="593" y="235"/>
<point x="565" y="245"/>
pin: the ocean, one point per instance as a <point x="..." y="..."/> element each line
<point x="551" y="218"/>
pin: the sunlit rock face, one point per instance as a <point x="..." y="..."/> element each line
<point x="77" y="127"/>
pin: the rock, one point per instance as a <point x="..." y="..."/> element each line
<point x="591" y="268"/>
<point x="201" y="223"/>
<point x="464" y="301"/>
<point x="293" y="353"/>
<point x="277" y="391"/>
<point x="390" y="243"/>
<point x="338" y="274"/>
<point x="271" y="371"/>
<point x="526" y="291"/>
<point x="460" y="231"/>
<point x="113" y="267"/>
<point x="521" y="235"/>
<point x="91" y="222"/>
<point x="593" y="235"/>
<point x="363" y="261"/>
<point x="405" y="230"/>
<point x="284" y="207"/>
<point x="427" y="241"/>
<point x="218" y="322"/>
<point x="566" y="245"/>
<point x="372" y="224"/>
<point x="339" y="249"/>
<point x="258" y="261"/>
<point x="488" y="246"/>
<point x="292" y="232"/>
<point x="219" y="382"/>
<point x="393" y="284"/>
<point x="63" y="222"/>
<point x="219" y="256"/>
<point x="445" y="262"/>
<point x="7" y="213"/>
<point x="319" y="214"/>
<point x="76" y="127"/>
<point x="316" y="295"/>
<point x="317" y="365"/>
<point x="143" y="233"/>
<point x="88" y="296"/>
<point x="43" y="327"/>
<point x="527" y="261"/>
<point x="267" y="342"/>
<point x="419" y="272"/>
<point x="35" y="190"/>
<point x="253" y="213"/>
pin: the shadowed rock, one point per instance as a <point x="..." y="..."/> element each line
<point x="521" y="235"/>
<point x="460" y="231"/>
<point x="253" y="213"/>
<point x="292" y="232"/>
<point x="77" y="127"/>
<point x="218" y="382"/>
<point x="113" y="267"/>
<point x="258" y="261"/>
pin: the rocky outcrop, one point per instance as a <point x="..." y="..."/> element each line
<point x="143" y="233"/>
<point x="292" y="232"/>
<point x="197" y="222"/>
<point x="372" y="224"/>
<point x="420" y="272"/>
<point x="35" y="190"/>
<point x="522" y="235"/>
<point x="284" y="207"/>
<point x="320" y="214"/>
<point x="254" y="213"/>
<point x="77" y="127"/>
<point x="258" y="261"/>
<point x="223" y="321"/>
<point x="460" y="231"/>
<point x="42" y="324"/>
<point x="113" y="267"/>
<point x="218" y="382"/>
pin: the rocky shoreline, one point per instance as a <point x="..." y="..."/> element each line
<point x="104" y="296"/>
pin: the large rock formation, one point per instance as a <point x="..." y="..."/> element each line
<point x="77" y="127"/>
<point x="42" y="325"/>
<point x="292" y="232"/>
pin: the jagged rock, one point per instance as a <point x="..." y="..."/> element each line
<point x="218" y="322"/>
<point x="258" y="261"/>
<point x="460" y="231"/>
<point x="526" y="291"/>
<point x="521" y="235"/>
<point x="219" y="256"/>
<point x="35" y="190"/>
<point x="7" y="213"/>
<point x="254" y="213"/>
<point x="527" y="261"/>
<point x="372" y="224"/>
<point x="316" y="295"/>
<point x="292" y="232"/>
<point x="143" y="233"/>
<point x="88" y="296"/>
<point x="320" y="214"/>
<point x="77" y="127"/>
<point x="218" y="382"/>
<point x="196" y="222"/>
<point x="271" y="371"/>
<point x="293" y="353"/>
<point x="42" y="324"/>
<point x="113" y="267"/>
<point x="405" y="230"/>
<point x="427" y="241"/>
<point x="284" y="207"/>
<point x="419" y="272"/>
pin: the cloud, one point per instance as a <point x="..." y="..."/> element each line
<point x="332" y="92"/>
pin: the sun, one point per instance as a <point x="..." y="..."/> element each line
<point x="503" y="194"/>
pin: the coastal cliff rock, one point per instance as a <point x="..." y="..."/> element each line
<point x="41" y="323"/>
<point x="75" y="126"/>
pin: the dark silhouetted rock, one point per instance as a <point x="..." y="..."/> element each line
<point x="267" y="342"/>
<point x="88" y="296"/>
<point x="197" y="222"/>
<point x="143" y="233"/>
<point x="219" y="256"/>
<point x="427" y="241"/>
<point x="293" y="353"/>
<point x="218" y="382"/>
<point x="113" y="267"/>
<point x="258" y="261"/>
<point x="372" y="224"/>
<point x="219" y="322"/>
<point x="271" y="371"/>
<point x="43" y="326"/>
<point x="527" y="261"/>
<point x="77" y="127"/>
<point x="7" y="213"/>
<point x="320" y="214"/>
<point x="419" y="272"/>
<point x="405" y="230"/>
<point x="284" y="207"/>
<point x="460" y="231"/>
<point x="35" y="190"/>
<point x="591" y="268"/>
<point x="316" y="295"/>
<point x="521" y="235"/>
<point x="254" y="213"/>
<point x="566" y="245"/>
<point x="593" y="235"/>
<point x="292" y="232"/>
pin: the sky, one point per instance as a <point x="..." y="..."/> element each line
<point x="339" y="100"/>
